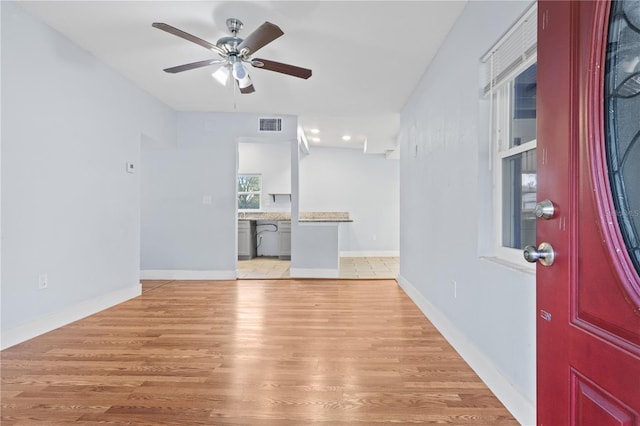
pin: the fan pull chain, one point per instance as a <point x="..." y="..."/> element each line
<point x="235" y="94"/>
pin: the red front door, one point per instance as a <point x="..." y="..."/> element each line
<point x="588" y="327"/>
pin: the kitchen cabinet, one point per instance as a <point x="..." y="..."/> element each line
<point x="284" y="239"/>
<point x="247" y="239"/>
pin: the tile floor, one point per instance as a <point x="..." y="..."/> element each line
<point x="350" y="267"/>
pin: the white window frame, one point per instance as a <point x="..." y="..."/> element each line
<point x="258" y="193"/>
<point x="500" y="140"/>
<point x="513" y="54"/>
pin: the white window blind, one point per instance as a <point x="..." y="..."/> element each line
<point x="515" y="47"/>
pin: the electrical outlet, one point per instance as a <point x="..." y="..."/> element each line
<point x="43" y="281"/>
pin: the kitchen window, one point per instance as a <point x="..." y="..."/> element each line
<point x="511" y="86"/>
<point x="249" y="191"/>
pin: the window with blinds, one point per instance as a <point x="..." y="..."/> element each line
<point x="510" y="83"/>
<point x="515" y="48"/>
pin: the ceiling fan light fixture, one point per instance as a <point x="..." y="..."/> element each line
<point x="239" y="73"/>
<point x="244" y="82"/>
<point x="221" y="75"/>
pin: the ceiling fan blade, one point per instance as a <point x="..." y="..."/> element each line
<point x="189" y="37"/>
<point x="248" y="89"/>
<point x="245" y="84"/>
<point x="259" y="38"/>
<point x="282" y="68"/>
<point x="192" y="65"/>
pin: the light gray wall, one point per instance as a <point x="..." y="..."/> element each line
<point x="365" y="185"/>
<point x="445" y="201"/>
<point x="69" y="209"/>
<point x="180" y="231"/>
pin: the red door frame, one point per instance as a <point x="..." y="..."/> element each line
<point x="556" y="99"/>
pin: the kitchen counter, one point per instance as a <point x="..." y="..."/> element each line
<point x="303" y="217"/>
<point x="314" y="250"/>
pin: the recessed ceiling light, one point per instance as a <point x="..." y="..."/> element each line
<point x="346" y="138"/>
<point x="315" y="131"/>
<point x="316" y="140"/>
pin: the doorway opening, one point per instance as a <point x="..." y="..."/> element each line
<point x="263" y="185"/>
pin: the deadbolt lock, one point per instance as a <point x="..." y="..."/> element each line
<point x="545" y="210"/>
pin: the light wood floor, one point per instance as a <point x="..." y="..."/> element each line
<point x="283" y="352"/>
<point x="265" y="267"/>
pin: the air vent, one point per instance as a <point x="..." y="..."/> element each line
<point x="271" y="124"/>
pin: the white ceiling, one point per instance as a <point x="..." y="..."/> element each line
<point x="366" y="56"/>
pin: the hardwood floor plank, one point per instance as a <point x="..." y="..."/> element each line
<point x="250" y="352"/>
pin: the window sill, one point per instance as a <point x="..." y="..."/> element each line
<point x="528" y="268"/>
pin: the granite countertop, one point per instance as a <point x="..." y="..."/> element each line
<point x="303" y="217"/>
<point x="324" y="217"/>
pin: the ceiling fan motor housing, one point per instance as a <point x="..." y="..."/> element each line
<point x="229" y="44"/>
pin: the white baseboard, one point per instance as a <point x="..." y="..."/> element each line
<point x="518" y="405"/>
<point x="68" y="315"/>
<point x="370" y="253"/>
<point x="313" y="273"/>
<point x="178" y="274"/>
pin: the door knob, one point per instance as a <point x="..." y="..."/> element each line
<point x="545" y="209"/>
<point x="543" y="254"/>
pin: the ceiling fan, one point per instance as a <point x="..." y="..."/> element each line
<point x="234" y="51"/>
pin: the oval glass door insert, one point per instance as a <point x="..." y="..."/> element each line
<point x="622" y="120"/>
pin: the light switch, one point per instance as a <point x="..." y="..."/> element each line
<point x="207" y="200"/>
